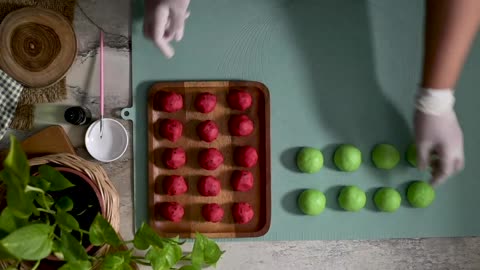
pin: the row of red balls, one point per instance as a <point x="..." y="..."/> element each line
<point x="208" y="186"/>
<point x="239" y="125"/>
<point x="204" y="102"/>
<point x="242" y="212"/>
<point x="210" y="158"/>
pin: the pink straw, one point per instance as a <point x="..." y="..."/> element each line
<point x="101" y="75"/>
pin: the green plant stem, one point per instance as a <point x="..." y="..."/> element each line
<point x="30" y="188"/>
<point x="46" y="211"/>
<point x="37" y="264"/>
<point x="128" y="242"/>
<point x="83" y="231"/>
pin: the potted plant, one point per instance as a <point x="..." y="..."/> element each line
<point x="44" y="216"/>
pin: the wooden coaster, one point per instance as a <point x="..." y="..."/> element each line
<point x="37" y="46"/>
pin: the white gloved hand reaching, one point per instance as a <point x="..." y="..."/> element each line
<point x="438" y="132"/>
<point x="164" y="22"/>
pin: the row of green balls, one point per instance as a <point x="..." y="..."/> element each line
<point x="351" y="198"/>
<point x="348" y="158"/>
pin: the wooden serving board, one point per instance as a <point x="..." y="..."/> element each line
<point x="51" y="140"/>
<point x="259" y="197"/>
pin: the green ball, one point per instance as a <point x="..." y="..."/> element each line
<point x="347" y="158"/>
<point x="309" y="160"/>
<point x="352" y="198"/>
<point x="385" y="156"/>
<point x="412" y="155"/>
<point x="420" y="194"/>
<point x="387" y="199"/>
<point x="312" y="202"/>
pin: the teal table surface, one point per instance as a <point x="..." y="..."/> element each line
<point x="338" y="72"/>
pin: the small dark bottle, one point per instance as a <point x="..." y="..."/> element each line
<point x="78" y="116"/>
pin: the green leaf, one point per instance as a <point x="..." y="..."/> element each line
<point x="56" y="179"/>
<point x="164" y="258"/>
<point x="146" y="237"/>
<point x="71" y="248"/>
<point x="31" y="242"/>
<point x="9" y="222"/>
<point x="17" y="163"/>
<point x="190" y="267"/>
<point x="44" y="200"/>
<point x="64" y="203"/>
<point x="205" y="251"/>
<point x="77" y="265"/>
<point x="20" y="202"/>
<point x="4" y="254"/>
<point x="66" y="221"/>
<point x="117" y="261"/>
<point x="101" y="232"/>
<point x="40" y="183"/>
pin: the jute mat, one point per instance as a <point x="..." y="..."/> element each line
<point x="30" y="96"/>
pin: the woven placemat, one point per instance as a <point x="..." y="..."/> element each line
<point x="30" y="96"/>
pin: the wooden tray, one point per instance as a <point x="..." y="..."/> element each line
<point x="259" y="197"/>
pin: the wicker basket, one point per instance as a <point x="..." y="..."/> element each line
<point x="99" y="177"/>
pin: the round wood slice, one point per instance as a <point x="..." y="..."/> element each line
<point x="37" y="46"/>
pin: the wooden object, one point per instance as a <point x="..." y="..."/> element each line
<point x="259" y="197"/>
<point x="51" y="140"/>
<point x="37" y="46"/>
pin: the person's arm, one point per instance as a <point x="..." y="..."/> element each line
<point x="450" y="28"/>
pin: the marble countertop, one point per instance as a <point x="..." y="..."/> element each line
<point x="82" y="80"/>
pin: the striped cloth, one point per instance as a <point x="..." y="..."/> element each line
<point x="10" y="91"/>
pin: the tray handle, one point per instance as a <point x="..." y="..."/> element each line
<point x="128" y="114"/>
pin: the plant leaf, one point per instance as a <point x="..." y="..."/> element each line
<point x="101" y="232"/>
<point x="40" y="183"/>
<point x="56" y="179"/>
<point x="115" y="262"/>
<point x="44" y="200"/>
<point x="31" y="242"/>
<point x="190" y="267"/>
<point x="64" y="203"/>
<point x="9" y="222"/>
<point x="66" y="221"/>
<point x="146" y="237"/>
<point x="205" y="251"/>
<point x="71" y="248"/>
<point x="17" y="163"/>
<point x="20" y="202"/>
<point x="164" y="258"/>
<point x="77" y="265"/>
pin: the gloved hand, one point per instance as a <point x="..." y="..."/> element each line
<point x="165" y="21"/>
<point x="438" y="132"/>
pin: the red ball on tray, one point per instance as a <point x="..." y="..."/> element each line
<point x="242" y="212"/>
<point x="245" y="156"/>
<point x="207" y="131"/>
<point x="209" y="186"/>
<point x="242" y="181"/>
<point x="172" y="211"/>
<point x="171" y="129"/>
<point x="212" y="212"/>
<point x="174" y="185"/>
<point x="239" y="100"/>
<point x="205" y="102"/>
<point x="240" y="125"/>
<point x="174" y="158"/>
<point x="169" y="101"/>
<point x="210" y="159"/>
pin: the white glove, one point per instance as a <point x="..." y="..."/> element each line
<point x="437" y="132"/>
<point x="165" y="21"/>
